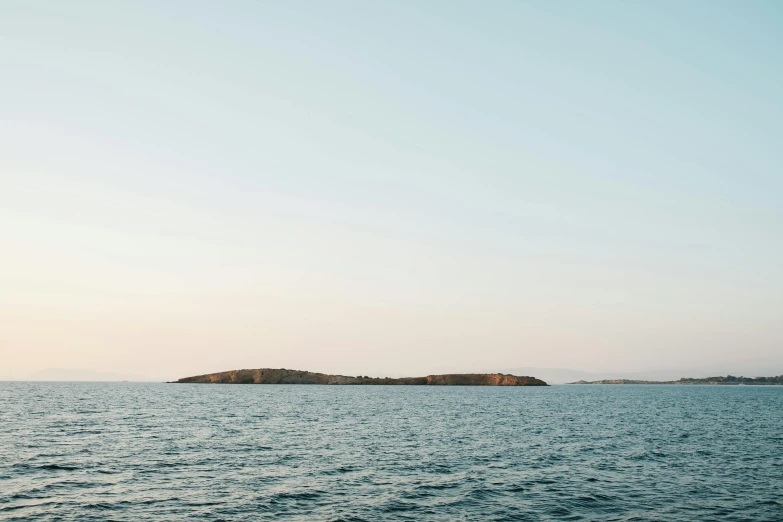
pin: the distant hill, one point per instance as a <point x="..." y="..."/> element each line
<point x="284" y="376"/>
<point x="727" y="380"/>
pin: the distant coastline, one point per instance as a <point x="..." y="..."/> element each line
<point x="728" y="380"/>
<point x="285" y="376"/>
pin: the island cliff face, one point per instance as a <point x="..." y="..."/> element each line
<point x="283" y="376"/>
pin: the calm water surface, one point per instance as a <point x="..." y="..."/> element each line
<point x="117" y="451"/>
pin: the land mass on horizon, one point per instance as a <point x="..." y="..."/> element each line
<point x="285" y="376"/>
<point x="727" y="380"/>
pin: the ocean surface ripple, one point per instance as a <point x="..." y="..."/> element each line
<point x="132" y="451"/>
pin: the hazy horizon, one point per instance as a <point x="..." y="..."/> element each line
<point x="395" y="188"/>
<point x="550" y="375"/>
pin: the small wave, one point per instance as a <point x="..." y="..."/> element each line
<point x="56" y="467"/>
<point x="150" y="501"/>
<point x="300" y="495"/>
<point x="485" y="493"/>
<point x="101" y="505"/>
<point x="441" y="486"/>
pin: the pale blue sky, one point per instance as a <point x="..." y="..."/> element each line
<point x="390" y="186"/>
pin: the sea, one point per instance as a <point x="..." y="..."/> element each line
<point x="175" y="452"/>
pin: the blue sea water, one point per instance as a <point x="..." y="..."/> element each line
<point x="130" y="451"/>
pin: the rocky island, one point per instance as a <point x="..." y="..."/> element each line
<point x="284" y="376"/>
<point x="727" y="380"/>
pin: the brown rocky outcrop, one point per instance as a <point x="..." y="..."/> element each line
<point x="284" y="376"/>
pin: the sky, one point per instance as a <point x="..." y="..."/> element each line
<point x="390" y="188"/>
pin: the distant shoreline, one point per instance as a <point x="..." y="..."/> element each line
<point x="728" y="380"/>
